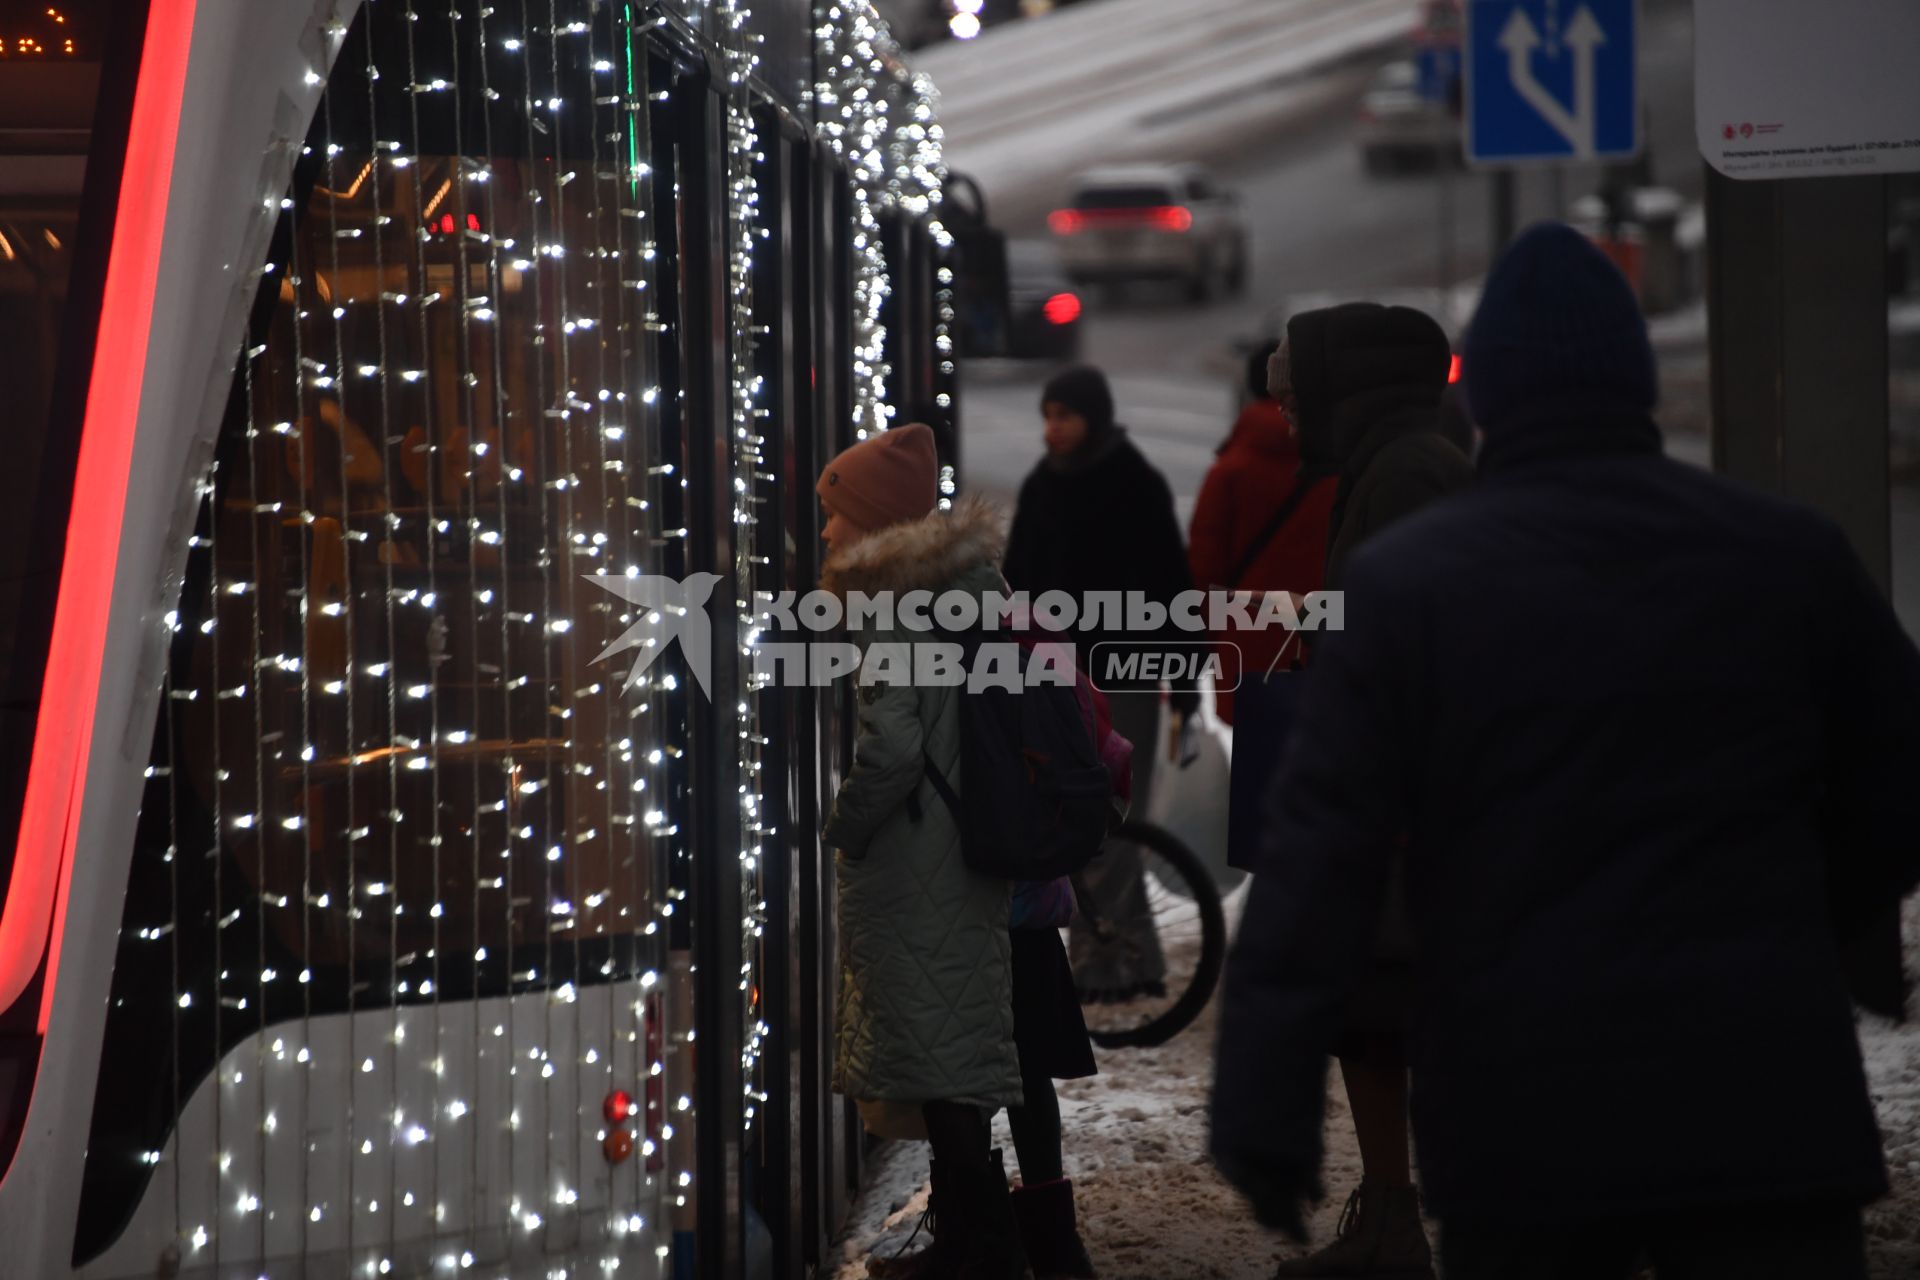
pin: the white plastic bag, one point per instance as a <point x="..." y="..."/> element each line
<point x="1192" y="803"/>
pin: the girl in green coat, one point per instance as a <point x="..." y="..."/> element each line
<point x="925" y="1010"/>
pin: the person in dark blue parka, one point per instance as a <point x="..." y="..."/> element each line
<point x="1650" y="741"/>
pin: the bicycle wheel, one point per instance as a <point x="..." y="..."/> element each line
<point x="1161" y="930"/>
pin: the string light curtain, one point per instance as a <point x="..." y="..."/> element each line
<point x="917" y="184"/>
<point x="395" y="983"/>
<point x="852" y="104"/>
<point x="752" y="557"/>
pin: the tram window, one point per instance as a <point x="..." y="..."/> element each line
<point x="436" y="427"/>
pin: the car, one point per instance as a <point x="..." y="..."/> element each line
<point x="1153" y="222"/>
<point x="1044" y="312"/>
<point x="1399" y="124"/>
<point x="1011" y="299"/>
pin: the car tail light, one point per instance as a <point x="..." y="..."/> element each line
<point x="1062" y="308"/>
<point x="1171" y="218"/>
<point x="1453" y="371"/>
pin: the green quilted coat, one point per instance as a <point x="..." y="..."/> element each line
<point x="925" y="986"/>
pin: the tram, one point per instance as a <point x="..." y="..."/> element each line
<point x="361" y="918"/>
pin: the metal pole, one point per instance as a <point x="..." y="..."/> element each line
<point x="1446" y="264"/>
<point x="1797" y="333"/>
<point x="1797" y="338"/>
<point x="1505" y="211"/>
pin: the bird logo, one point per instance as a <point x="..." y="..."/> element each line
<point x="667" y="607"/>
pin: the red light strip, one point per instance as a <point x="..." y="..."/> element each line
<point x="63" y="735"/>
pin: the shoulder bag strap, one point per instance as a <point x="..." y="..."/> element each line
<point x="1302" y="486"/>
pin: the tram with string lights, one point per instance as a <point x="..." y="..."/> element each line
<point x="360" y="918"/>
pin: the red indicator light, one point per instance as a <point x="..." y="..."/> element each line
<point x="1062" y="308"/>
<point x="1066" y="222"/>
<point x="619" y="1107"/>
<point x="1453" y="371"/>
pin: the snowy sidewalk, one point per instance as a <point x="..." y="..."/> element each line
<point x="1152" y="1207"/>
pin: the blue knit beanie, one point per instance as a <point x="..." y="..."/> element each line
<point x="1558" y="331"/>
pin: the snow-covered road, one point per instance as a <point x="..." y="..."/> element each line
<point x="1028" y="103"/>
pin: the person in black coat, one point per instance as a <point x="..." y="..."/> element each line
<point x="1095" y="515"/>
<point x="1650" y="739"/>
<point x="1365" y="383"/>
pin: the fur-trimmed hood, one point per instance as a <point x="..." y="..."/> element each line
<point x="930" y="554"/>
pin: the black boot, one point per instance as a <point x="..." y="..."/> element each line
<point x="1055" y="1250"/>
<point x="990" y="1247"/>
<point x="918" y="1264"/>
<point x="978" y="1239"/>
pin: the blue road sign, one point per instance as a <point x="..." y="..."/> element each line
<point x="1552" y="80"/>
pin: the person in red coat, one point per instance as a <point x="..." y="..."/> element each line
<point x="1233" y="545"/>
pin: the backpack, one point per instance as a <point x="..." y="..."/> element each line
<point x="1034" y="752"/>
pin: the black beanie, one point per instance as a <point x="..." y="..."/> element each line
<point x="1559" y="330"/>
<point x="1084" y="390"/>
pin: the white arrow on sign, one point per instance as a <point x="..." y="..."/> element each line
<point x="1580" y="127"/>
